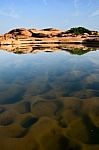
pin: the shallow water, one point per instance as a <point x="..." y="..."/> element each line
<point x="58" y="73"/>
<point x="55" y="86"/>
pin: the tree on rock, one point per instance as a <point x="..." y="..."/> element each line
<point x="78" y="30"/>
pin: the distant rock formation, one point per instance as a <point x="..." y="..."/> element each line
<point x="48" y="35"/>
<point x="32" y="33"/>
<point x="18" y="32"/>
<point x="93" y="40"/>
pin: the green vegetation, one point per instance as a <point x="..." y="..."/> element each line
<point x="79" y="30"/>
<point x="18" y="51"/>
<point x="16" y="38"/>
<point x="96" y="33"/>
<point x="79" y="51"/>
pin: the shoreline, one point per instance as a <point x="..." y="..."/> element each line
<point x="66" y="40"/>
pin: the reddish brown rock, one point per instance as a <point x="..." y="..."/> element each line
<point x="26" y="33"/>
<point x="49" y="35"/>
<point x="21" y="31"/>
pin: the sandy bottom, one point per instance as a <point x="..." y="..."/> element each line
<point x="66" y="124"/>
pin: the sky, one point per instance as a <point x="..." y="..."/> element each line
<point x="61" y="14"/>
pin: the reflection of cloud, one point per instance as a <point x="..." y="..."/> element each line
<point x="95" y="13"/>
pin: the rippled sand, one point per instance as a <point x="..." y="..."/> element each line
<point x="68" y="123"/>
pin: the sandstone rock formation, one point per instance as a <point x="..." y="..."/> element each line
<point x="33" y="32"/>
<point x="18" y="32"/>
<point x="48" y="35"/>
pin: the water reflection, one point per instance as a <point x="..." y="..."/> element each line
<point x="78" y="49"/>
<point x="52" y="95"/>
<point x="58" y="73"/>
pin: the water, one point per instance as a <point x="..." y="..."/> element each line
<point x="60" y="89"/>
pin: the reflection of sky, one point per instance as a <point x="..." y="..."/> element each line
<point x="35" y="73"/>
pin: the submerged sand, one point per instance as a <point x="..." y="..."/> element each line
<point x="68" y="123"/>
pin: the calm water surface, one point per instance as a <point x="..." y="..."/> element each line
<point x="51" y="75"/>
<point x="54" y="95"/>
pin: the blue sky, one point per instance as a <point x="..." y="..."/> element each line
<point x="62" y="14"/>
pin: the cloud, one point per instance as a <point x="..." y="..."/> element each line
<point x="90" y="3"/>
<point x="76" y="5"/>
<point x="8" y="13"/>
<point x="45" y="2"/>
<point x="95" y="13"/>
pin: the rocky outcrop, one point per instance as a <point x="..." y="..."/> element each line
<point x="33" y="32"/>
<point x="39" y="35"/>
<point x="44" y="36"/>
<point x="18" y="32"/>
<point x="93" y="40"/>
<point x="50" y="29"/>
<point x="52" y="32"/>
<point x="25" y="33"/>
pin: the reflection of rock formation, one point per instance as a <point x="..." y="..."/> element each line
<point x="33" y="48"/>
